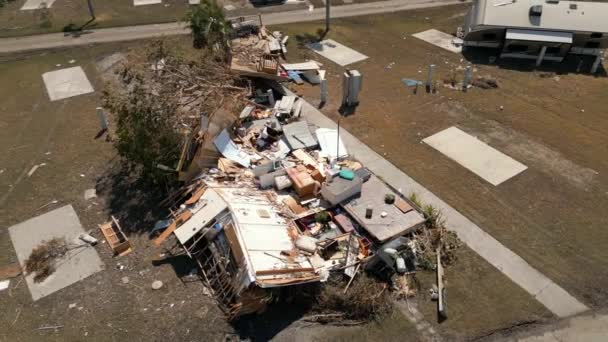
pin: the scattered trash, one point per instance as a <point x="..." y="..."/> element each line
<point x="485" y="82"/>
<point x="157" y="285"/>
<point x="90" y="194"/>
<point x="88" y="239"/>
<point x="34" y="168"/>
<point x="71" y="306"/>
<point x="125" y="280"/>
<point x="4" y="284"/>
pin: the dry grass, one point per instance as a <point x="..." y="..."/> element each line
<point x="42" y="260"/>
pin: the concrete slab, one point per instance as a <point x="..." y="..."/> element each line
<point x="78" y="264"/>
<point x="440" y="39"/>
<point x="543" y="289"/>
<point x="194" y="2"/>
<point x="64" y="83"/>
<point x="337" y="52"/>
<point x="475" y="155"/>
<point x="146" y="2"/>
<point x="36" y="4"/>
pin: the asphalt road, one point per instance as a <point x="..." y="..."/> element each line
<point x="58" y="40"/>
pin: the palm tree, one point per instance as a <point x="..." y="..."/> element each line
<point x="207" y="24"/>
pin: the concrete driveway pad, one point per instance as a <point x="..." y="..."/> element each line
<point x="475" y="155"/>
<point x="79" y="263"/>
<point x="337" y="52"/>
<point x="64" y="83"/>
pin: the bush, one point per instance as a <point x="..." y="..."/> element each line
<point x="207" y="24"/>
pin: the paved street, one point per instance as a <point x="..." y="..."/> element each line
<point x="56" y="40"/>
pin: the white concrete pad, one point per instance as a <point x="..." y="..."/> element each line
<point x="64" y="83"/>
<point x="440" y="39"/>
<point x="229" y="7"/>
<point x="194" y="2"/>
<point x="78" y="264"/>
<point x="146" y="2"/>
<point x="475" y="155"/>
<point x="337" y="52"/>
<point x="36" y="4"/>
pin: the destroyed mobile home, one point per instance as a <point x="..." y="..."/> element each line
<point x="272" y="201"/>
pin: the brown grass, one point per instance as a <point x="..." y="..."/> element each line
<point x="366" y="299"/>
<point x="42" y="260"/>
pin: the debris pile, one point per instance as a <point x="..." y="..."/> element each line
<point x="270" y="200"/>
<point x="257" y="52"/>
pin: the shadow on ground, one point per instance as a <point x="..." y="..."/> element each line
<point x="307" y="38"/>
<point x="292" y="303"/>
<point x="131" y="199"/>
<point x="572" y="64"/>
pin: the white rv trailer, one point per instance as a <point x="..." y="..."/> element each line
<point x="538" y="29"/>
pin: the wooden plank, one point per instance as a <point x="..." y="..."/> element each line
<point x="235" y="246"/>
<point x="181" y="218"/>
<point x="196" y="195"/>
<point x="294" y="206"/>
<point x="10" y="271"/>
<point x="402" y="205"/>
<point x="284" y="271"/>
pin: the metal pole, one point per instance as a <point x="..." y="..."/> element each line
<point x="596" y="63"/>
<point x="429" y="79"/>
<point x="467" y="78"/>
<point x="539" y="60"/>
<point x="327" y="12"/>
<point x="338" y="138"/>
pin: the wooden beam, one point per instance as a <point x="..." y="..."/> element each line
<point x="196" y="195"/>
<point x="181" y="218"/>
<point x="284" y="271"/>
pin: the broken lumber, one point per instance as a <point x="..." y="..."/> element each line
<point x="284" y="271"/>
<point x="181" y="218"/>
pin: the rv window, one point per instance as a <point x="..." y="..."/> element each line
<point x="489" y="36"/>
<point x="596" y="35"/>
<point x="553" y="50"/>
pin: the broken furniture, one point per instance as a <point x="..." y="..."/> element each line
<point x="115" y="237"/>
<point x="303" y="183"/>
<point x="269" y="64"/>
<point x="338" y="189"/>
<point x="395" y="256"/>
